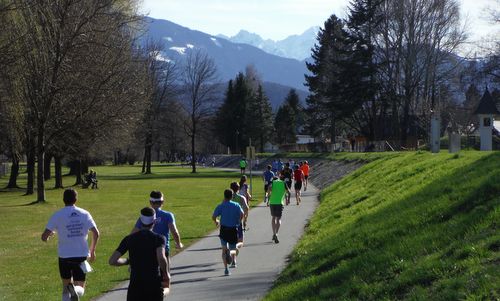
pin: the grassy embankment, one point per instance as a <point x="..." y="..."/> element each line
<point x="411" y="226"/>
<point x="28" y="267"/>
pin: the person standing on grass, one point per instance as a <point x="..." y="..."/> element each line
<point x="305" y="169"/>
<point x="267" y="176"/>
<point x="298" y="176"/>
<point x="72" y="225"/>
<point x="149" y="275"/>
<point x="238" y="198"/>
<point x="277" y="193"/>
<point x="228" y="216"/>
<point x="164" y="224"/>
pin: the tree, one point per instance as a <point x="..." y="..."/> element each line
<point x="288" y="117"/>
<point x="260" y="118"/>
<point x="199" y="79"/>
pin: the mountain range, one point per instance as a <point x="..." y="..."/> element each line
<point x="278" y="73"/>
<point x="295" y="46"/>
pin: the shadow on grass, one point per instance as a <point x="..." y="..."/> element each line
<point x="416" y="247"/>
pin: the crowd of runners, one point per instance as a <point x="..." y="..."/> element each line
<point x="148" y="245"/>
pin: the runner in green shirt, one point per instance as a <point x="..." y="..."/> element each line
<point x="277" y="195"/>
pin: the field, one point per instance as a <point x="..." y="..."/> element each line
<point x="409" y="226"/>
<point x="28" y="266"/>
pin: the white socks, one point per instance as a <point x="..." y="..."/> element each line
<point x="79" y="290"/>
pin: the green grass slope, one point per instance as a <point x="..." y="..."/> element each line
<point x="414" y="226"/>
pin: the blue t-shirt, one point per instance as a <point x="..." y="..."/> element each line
<point x="229" y="213"/>
<point x="268" y="176"/>
<point x="163" y="219"/>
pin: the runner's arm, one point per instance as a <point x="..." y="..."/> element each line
<point x="175" y="234"/>
<point x="214" y="218"/>
<point x="93" y="244"/>
<point x="47" y="234"/>
<point x="163" y="263"/>
<point x="115" y="259"/>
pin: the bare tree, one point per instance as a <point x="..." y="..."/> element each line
<point x="199" y="78"/>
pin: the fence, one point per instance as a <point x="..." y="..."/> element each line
<point x="4" y="169"/>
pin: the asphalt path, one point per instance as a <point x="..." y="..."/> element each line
<point x="198" y="271"/>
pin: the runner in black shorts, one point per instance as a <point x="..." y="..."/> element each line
<point x="287" y="177"/>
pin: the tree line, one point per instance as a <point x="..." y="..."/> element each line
<point x="386" y="68"/>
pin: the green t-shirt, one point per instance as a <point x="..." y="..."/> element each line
<point x="243" y="163"/>
<point x="277" y="193"/>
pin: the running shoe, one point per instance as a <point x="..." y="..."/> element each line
<point x="276" y="239"/>
<point x="226" y="272"/>
<point x="233" y="265"/>
<point x="73" y="295"/>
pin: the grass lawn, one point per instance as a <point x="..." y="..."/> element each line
<point x="408" y="226"/>
<point x="28" y="267"/>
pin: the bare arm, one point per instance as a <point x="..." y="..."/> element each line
<point x="47" y="234"/>
<point x="175" y="234"/>
<point x="214" y="218"/>
<point x="163" y="263"/>
<point x="93" y="244"/>
<point x="115" y="259"/>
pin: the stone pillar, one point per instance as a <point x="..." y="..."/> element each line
<point x="485" y="131"/>
<point x="455" y="143"/>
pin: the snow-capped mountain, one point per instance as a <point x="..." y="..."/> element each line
<point x="230" y="58"/>
<point x="295" y="46"/>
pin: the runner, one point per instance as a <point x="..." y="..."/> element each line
<point x="243" y="165"/>
<point x="298" y="176"/>
<point x="245" y="191"/>
<point x="149" y="276"/>
<point x="238" y="198"/>
<point x="267" y="176"/>
<point x="305" y="169"/>
<point x="277" y="192"/>
<point x="72" y="225"/>
<point x="287" y="176"/>
<point x="164" y="225"/>
<point x="230" y="215"/>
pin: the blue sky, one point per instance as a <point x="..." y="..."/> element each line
<point x="277" y="19"/>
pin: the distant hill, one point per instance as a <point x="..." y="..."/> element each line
<point x="230" y="58"/>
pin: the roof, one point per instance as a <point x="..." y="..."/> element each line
<point x="487" y="105"/>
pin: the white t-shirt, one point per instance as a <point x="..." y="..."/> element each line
<point x="72" y="225"/>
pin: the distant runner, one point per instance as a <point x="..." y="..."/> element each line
<point x="267" y="176"/>
<point x="228" y="216"/>
<point x="245" y="191"/>
<point x="298" y="176"/>
<point x="287" y="176"/>
<point x="238" y="198"/>
<point x="277" y="194"/>
<point x="305" y="169"/>
<point x="243" y="165"/>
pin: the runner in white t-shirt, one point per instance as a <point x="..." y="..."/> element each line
<point x="72" y="225"/>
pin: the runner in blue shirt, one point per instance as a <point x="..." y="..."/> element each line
<point x="228" y="216"/>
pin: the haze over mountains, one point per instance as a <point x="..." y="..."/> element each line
<point x="279" y="74"/>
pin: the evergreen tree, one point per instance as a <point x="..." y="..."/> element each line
<point x="325" y="103"/>
<point x="288" y="119"/>
<point x="260" y="119"/>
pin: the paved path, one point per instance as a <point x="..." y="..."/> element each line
<point x="198" y="272"/>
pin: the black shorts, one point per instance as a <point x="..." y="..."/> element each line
<point x="229" y="234"/>
<point x="306" y="177"/>
<point x="266" y="186"/>
<point x="70" y="267"/>
<point x="276" y="210"/>
<point x="298" y="185"/>
<point x="145" y="291"/>
<point x="288" y="183"/>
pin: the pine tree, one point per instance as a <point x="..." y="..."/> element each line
<point x="260" y="118"/>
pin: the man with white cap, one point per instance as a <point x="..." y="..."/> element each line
<point x="149" y="276"/>
<point x="72" y="225"/>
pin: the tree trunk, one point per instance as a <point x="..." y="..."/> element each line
<point x="193" y="140"/>
<point x="78" y="174"/>
<point x="31" y="171"/>
<point x="58" y="172"/>
<point x="14" y="172"/>
<point x="40" y="181"/>
<point x="47" y="172"/>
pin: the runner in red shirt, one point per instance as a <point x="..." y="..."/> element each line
<point x="298" y="176"/>
<point x="305" y="170"/>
